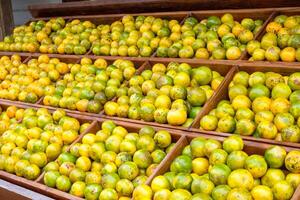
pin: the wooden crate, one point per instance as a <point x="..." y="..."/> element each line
<point x="23" y="181"/>
<point x="25" y="57"/>
<point x="264" y="14"/>
<point x="249" y="147"/>
<point x="223" y="69"/>
<point x="222" y="94"/>
<point x="289" y="12"/>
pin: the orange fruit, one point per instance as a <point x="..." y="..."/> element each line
<point x="240" y="178"/>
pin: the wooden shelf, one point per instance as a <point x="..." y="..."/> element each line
<point x="132" y="6"/>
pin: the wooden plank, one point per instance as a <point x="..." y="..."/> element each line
<point x="14" y="192"/>
<point x="6" y="18"/>
<point x="131" y="6"/>
<point x="71" y="0"/>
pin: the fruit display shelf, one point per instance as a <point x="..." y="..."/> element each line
<point x="182" y="138"/>
<point x="265" y="14"/>
<point x="223" y="68"/>
<point x="181" y="135"/>
<point x="223" y="95"/>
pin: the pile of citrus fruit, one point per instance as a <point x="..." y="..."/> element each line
<point x="172" y="94"/>
<point x="213" y="37"/>
<point x="27" y="82"/>
<point x="75" y="38"/>
<point x="110" y="163"/>
<point x="281" y="41"/>
<point x="29" y="38"/>
<point x="265" y="105"/>
<point x="53" y="36"/>
<point x="26" y="147"/>
<point x="9" y="116"/>
<point x="210" y="170"/>
<point x="89" y="85"/>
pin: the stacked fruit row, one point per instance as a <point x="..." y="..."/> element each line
<point x="89" y="84"/>
<point x="212" y="37"/>
<point x="208" y="169"/>
<point x="264" y="105"/>
<point x="209" y="37"/>
<point x="85" y="86"/>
